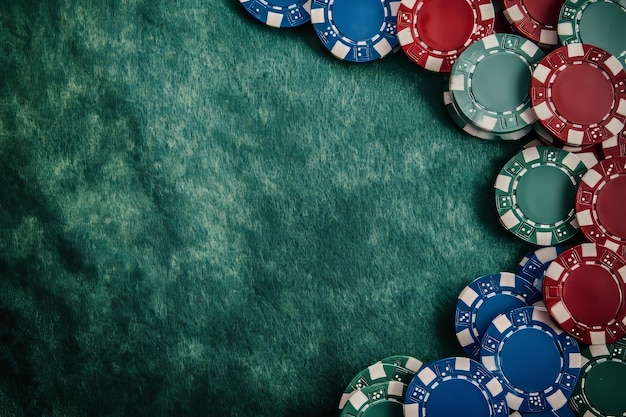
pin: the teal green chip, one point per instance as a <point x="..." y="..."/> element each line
<point x="397" y="368"/>
<point x="378" y="400"/>
<point x="599" y="390"/>
<point x="490" y="83"/>
<point x="601" y="23"/>
<point x="535" y="195"/>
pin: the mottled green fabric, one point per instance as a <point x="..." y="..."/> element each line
<point x="204" y="216"/>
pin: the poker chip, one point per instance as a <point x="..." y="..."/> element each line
<point x="534" y="264"/>
<point x="535" y="20"/>
<point x="535" y="194"/>
<point x="433" y="33"/>
<point x="378" y="400"/>
<point x="484" y="299"/>
<point x="595" y="22"/>
<point x="579" y="94"/>
<point x="535" y="361"/>
<point x="600" y="388"/>
<point x="455" y="387"/>
<point x="615" y="146"/>
<point x="279" y="13"/>
<point x="490" y="81"/>
<point x="601" y="204"/>
<point x="356" y="31"/>
<point x="475" y="131"/>
<point x="394" y="368"/>
<point x="583" y="289"/>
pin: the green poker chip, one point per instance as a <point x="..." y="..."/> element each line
<point x="535" y="195"/>
<point x="378" y="400"/>
<point x="600" y="23"/>
<point x="397" y="368"/>
<point x="490" y="83"/>
<point x="600" y="389"/>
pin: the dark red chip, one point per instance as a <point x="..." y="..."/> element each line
<point x="579" y="94"/>
<point x="433" y="33"/>
<point x="584" y="289"/>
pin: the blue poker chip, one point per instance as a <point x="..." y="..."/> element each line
<point x="536" y="262"/>
<point x="483" y="300"/>
<point x="356" y="31"/>
<point x="565" y="411"/>
<point x="455" y="387"/>
<point x="279" y="13"/>
<point x="535" y="360"/>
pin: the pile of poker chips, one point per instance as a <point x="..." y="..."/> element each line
<point x="548" y="339"/>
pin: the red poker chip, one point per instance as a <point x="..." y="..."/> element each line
<point x="535" y="19"/>
<point x="433" y="33"/>
<point x="601" y="204"/>
<point x="578" y="92"/>
<point x="615" y="146"/>
<point x="584" y="290"/>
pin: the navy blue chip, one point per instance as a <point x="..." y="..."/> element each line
<point x="279" y="13"/>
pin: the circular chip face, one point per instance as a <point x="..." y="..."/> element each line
<point x="433" y="33"/>
<point x="356" y="31"/>
<point x="455" y="387"/>
<point x="484" y="299"/>
<point x="534" y="19"/>
<point x="600" y="388"/>
<point x="535" y="361"/>
<point x="535" y="194"/>
<point x="490" y="81"/>
<point x="378" y="400"/>
<point x="579" y="94"/>
<point x="394" y="368"/>
<point x="584" y="289"/>
<point x="615" y="146"/>
<point x="279" y="13"/>
<point x="601" y="204"/>
<point x="536" y="262"/>
<point x="595" y="22"/>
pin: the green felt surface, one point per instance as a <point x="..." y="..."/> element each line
<point x="201" y="215"/>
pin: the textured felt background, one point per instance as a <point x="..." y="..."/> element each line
<point x="204" y="216"/>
